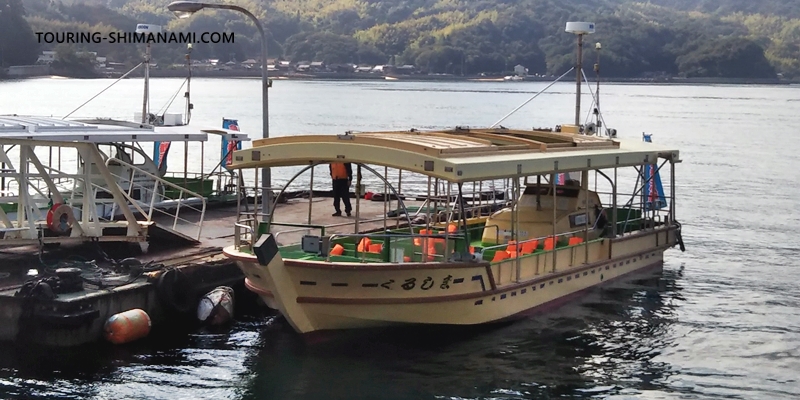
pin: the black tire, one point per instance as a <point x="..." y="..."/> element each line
<point x="175" y="291"/>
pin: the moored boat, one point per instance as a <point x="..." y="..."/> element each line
<point x="567" y="223"/>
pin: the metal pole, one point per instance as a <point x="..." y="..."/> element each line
<point x="578" y="69"/>
<point x="146" y="84"/>
<point x="399" y="190"/>
<point x="597" y="91"/>
<point x="185" y="165"/>
<point x="585" y="187"/>
<point x="310" y="195"/>
<point x="358" y="204"/>
<point x="555" y="215"/>
<point x="203" y="168"/>
<point x="188" y="83"/>
<point x="614" y="205"/>
<point x="538" y="193"/>
<point x="672" y="190"/>
<point x="266" y="176"/>
<point x="515" y="215"/>
<point x="385" y="196"/>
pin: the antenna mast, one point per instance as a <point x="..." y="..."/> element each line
<point x="189" y="105"/>
<point x="580" y="29"/>
<point x="147" y="29"/>
<point x="597" y="47"/>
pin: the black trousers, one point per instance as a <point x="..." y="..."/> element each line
<point x="341" y="190"/>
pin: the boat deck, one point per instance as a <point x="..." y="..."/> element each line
<point x="218" y="232"/>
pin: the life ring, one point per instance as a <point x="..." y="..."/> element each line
<point x="60" y="218"/>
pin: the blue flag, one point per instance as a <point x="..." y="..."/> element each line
<point x="654" y="198"/>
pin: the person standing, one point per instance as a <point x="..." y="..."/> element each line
<point x="342" y="176"/>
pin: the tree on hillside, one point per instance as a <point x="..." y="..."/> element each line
<point x="69" y="62"/>
<point x="18" y="45"/>
<point x="726" y="58"/>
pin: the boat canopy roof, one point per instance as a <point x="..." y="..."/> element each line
<point x="458" y="155"/>
<point x="46" y="129"/>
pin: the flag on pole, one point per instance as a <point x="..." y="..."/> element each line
<point x="653" y="189"/>
<point x="229" y="146"/>
<point x="160" y="151"/>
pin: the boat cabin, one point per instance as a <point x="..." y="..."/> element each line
<point x="543" y="206"/>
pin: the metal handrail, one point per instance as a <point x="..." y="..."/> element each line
<point x="305" y="227"/>
<point x="237" y="235"/>
<point x="181" y="191"/>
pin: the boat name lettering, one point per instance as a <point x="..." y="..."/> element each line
<point x="410" y="283"/>
<point x="427" y="283"/>
<point x="446" y="282"/>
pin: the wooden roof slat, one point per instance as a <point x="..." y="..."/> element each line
<point x="457" y="156"/>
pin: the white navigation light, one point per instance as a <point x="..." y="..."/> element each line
<point x="580" y="28"/>
<point x="148" y="28"/>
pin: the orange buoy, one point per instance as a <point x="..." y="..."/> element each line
<point x="337" y="250"/>
<point x="127" y="326"/>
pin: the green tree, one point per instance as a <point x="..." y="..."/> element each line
<point x="69" y="62"/>
<point x="18" y="44"/>
<point x="726" y="58"/>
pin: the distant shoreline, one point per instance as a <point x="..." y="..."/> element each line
<point x="157" y="73"/>
<point x="442" y="77"/>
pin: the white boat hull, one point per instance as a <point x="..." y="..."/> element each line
<point x="316" y="296"/>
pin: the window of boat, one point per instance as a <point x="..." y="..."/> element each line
<point x="576" y="220"/>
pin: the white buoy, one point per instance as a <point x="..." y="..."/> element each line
<point x="216" y="307"/>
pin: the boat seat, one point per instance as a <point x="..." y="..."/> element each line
<point x="575" y="240"/>
<point x="529" y="247"/>
<point x="513" y="246"/>
<point x="500" y="255"/>
<point x="549" y="243"/>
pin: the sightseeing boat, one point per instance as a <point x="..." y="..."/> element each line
<point x="580" y="208"/>
<point x="553" y="241"/>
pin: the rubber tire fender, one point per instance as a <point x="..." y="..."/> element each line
<point x="175" y="290"/>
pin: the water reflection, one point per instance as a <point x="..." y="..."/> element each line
<point x="608" y="341"/>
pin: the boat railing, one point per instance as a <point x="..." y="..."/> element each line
<point x="454" y="208"/>
<point x="160" y="203"/>
<point x="516" y="256"/>
<point x="650" y="218"/>
<point x="223" y="181"/>
<point x="243" y="233"/>
<point x="310" y="227"/>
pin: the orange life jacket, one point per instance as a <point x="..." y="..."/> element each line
<point x="338" y="171"/>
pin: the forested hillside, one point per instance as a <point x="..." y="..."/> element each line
<point x="691" y="38"/>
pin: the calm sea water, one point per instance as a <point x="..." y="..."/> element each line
<point x="721" y="321"/>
